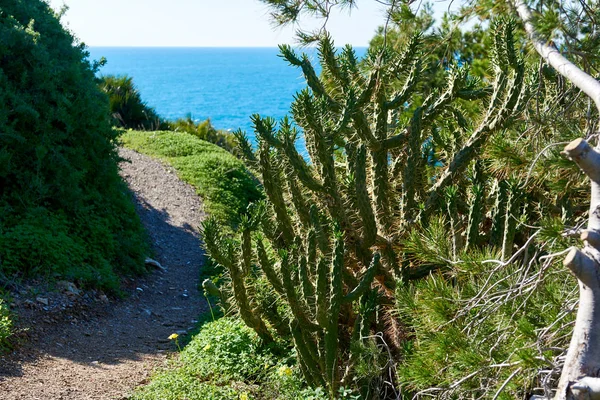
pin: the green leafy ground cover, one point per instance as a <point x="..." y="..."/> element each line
<point x="219" y="178"/>
<point x="226" y="359"/>
<point x="223" y="361"/>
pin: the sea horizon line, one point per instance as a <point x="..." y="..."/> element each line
<point x="206" y="47"/>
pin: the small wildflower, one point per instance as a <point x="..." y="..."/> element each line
<point x="173" y="336"/>
<point x="284" y="370"/>
<point x="207" y="347"/>
<point x="244" y="396"/>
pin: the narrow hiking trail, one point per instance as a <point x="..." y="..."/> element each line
<point x="107" y="348"/>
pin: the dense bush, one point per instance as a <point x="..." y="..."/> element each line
<point x="127" y="108"/>
<point x="204" y="130"/>
<point x="64" y="211"/>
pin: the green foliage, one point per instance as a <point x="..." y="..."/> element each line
<point x="484" y="327"/>
<point x="335" y="224"/>
<point x="227" y="360"/>
<point x="427" y="165"/>
<point x="203" y="130"/>
<point x="226" y="350"/>
<point x="289" y="11"/>
<point x="221" y="362"/>
<point x="6" y="327"/>
<point x="220" y="179"/>
<point x="64" y="211"/>
<point x="41" y="244"/>
<point x="178" y="384"/>
<point x="208" y="368"/>
<point x="127" y="108"/>
<point x="131" y="112"/>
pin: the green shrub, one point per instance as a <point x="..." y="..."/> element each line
<point x="498" y="334"/>
<point x="64" y="210"/>
<point x="178" y="384"/>
<point x="205" y="131"/>
<point x="227" y="360"/>
<point x="227" y="350"/>
<point x="223" y="355"/>
<point x="127" y="108"/>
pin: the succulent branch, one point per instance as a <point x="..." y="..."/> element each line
<point x="508" y="91"/>
<point x="304" y="63"/>
<point x="331" y="240"/>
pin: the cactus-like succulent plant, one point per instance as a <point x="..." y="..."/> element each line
<point x="329" y="241"/>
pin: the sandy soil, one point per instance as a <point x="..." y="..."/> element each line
<point x="86" y="346"/>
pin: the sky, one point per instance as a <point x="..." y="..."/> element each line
<point x="202" y="23"/>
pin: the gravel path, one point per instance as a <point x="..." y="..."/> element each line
<point x="106" y="349"/>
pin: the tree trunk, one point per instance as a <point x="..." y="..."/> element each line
<point x="580" y="377"/>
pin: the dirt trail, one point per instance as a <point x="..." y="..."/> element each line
<point x="106" y="349"/>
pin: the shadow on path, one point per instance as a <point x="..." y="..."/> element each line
<point x="105" y="350"/>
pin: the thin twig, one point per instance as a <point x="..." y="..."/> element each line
<point x="515" y="372"/>
<point x="538" y="157"/>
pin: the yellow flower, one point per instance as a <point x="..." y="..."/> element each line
<point x="207" y="347"/>
<point x="173" y="336"/>
<point x="244" y="396"/>
<point x="284" y="370"/>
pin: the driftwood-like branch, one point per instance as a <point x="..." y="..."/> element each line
<point x="582" y="266"/>
<point x="591" y="238"/>
<point x="579" y="378"/>
<point x="586" y="388"/>
<point x="587" y="158"/>
<point x="580" y="375"/>
<point x="560" y="63"/>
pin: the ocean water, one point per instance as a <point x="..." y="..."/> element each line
<point x="227" y="85"/>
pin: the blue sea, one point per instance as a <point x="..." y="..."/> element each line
<point x="226" y="85"/>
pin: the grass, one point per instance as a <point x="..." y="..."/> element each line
<point x="203" y="130"/>
<point x="218" y="177"/>
<point x="225" y="359"/>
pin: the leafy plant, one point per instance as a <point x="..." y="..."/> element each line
<point x="127" y="108"/>
<point x="203" y="130"/>
<point x="214" y="365"/>
<point x="6" y="327"/>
